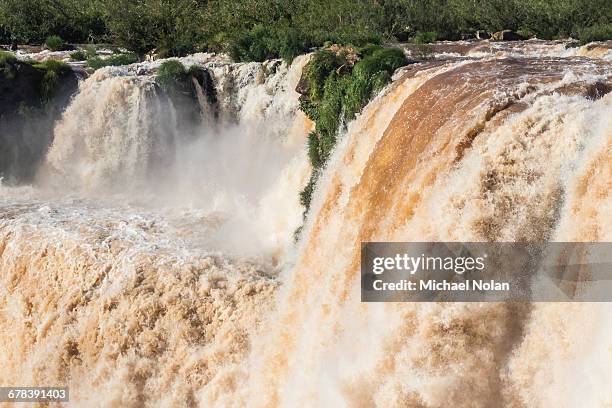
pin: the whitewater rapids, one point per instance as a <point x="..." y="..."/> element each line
<point x="137" y="283"/>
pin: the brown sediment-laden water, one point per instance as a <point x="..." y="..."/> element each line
<point x="146" y="267"/>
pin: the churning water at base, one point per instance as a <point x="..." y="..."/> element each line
<point x="176" y="284"/>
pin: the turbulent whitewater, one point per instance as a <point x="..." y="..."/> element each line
<point x="154" y="266"/>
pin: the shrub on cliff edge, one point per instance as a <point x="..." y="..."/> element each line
<point x="340" y="83"/>
<point x="170" y="74"/>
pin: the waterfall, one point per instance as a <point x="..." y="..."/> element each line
<point x="121" y="130"/>
<point x="116" y="130"/>
<point x="494" y="150"/>
<point x="153" y="263"/>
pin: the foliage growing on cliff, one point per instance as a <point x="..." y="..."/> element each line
<point x="6" y="56"/>
<point x="340" y="83"/>
<point x="178" y="83"/>
<point x="6" y="67"/>
<point x="51" y="73"/>
<point x="54" y="71"/>
<point x="45" y="76"/>
<point x="170" y="73"/>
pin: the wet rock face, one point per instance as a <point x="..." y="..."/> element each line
<point x="598" y="90"/>
<point x="27" y="117"/>
<point x="19" y="84"/>
<point x="506" y="35"/>
<point x="303" y="86"/>
<point x="195" y="100"/>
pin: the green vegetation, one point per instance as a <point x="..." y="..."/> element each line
<point x="47" y="75"/>
<point x="55" y="43"/>
<point x="171" y="27"/>
<point x="32" y="21"/>
<point x="7" y="70"/>
<point x="261" y="43"/>
<point x="600" y="32"/>
<point x="32" y="97"/>
<point x="84" y="54"/>
<point x="54" y="71"/>
<point x="340" y="82"/>
<point x="173" y="78"/>
<point x="78" y="55"/>
<point x="96" y="62"/>
<point x="6" y="56"/>
<point x="260" y="29"/>
<point x="426" y="37"/>
<point x="170" y="73"/>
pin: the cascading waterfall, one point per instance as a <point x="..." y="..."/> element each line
<point x="129" y="209"/>
<point x="153" y="268"/>
<point x="121" y="129"/>
<point x="117" y="130"/>
<point x="498" y="150"/>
